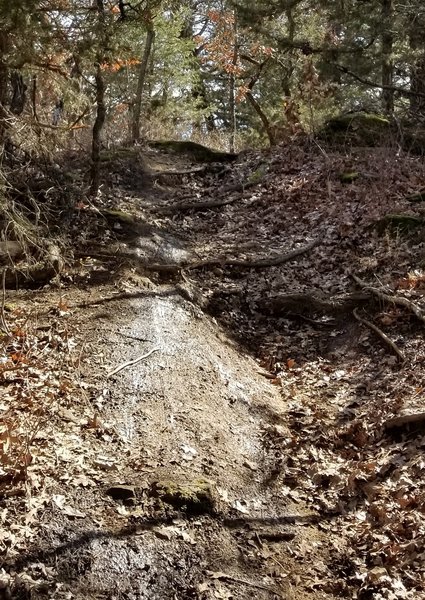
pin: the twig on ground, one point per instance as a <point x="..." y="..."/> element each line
<point x="312" y="321"/>
<point x="277" y="260"/>
<point x="381" y="334"/>
<point x="130" y="363"/>
<point x="253" y="584"/>
<point x="133" y="337"/>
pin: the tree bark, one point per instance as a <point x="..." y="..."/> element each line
<point x="97" y="131"/>
<point x="417" y="76"/>
<point x="143" y="69"/>
<point x="264" y="119"/>
<point x="387" y="67"/>
<point x="100" y="103"/>
<point x="232" y="84"/>
<point x="19" y="89"/>
<point x="256" y="105"/>
<point x="4" y="81"/>
<point x="286" y="82"/>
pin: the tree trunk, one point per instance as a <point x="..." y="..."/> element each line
<point x="232" y="84"/>
<point x="19" y="96"/>
<point x="199" y="95"/>
<point x="286" y="83"/>
<point x="100" y="103"/>
<point x="264" y="119"/>
<point x="256" y="105"/>
<point x="417" y="76"/>
<point x="4" y="81"/>
<point x="97" y="130"/>
<point x="387" y="67"/>
<point x="143" y="69"/>
<point x="417" y="86"/>
<point x="199" y="89"/>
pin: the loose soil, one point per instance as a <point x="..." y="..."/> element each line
<point x="247" y="452"/>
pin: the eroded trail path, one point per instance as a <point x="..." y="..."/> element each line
<point x="223" y="428"/>
<point x="169" y="493"/>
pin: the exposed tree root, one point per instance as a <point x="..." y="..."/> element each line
<point x="233" y="262"/>
<point x="175" y="269"/>
<point x="28" y="276"/>
<point x="191" y="171"/>
<point x="222" y="201"/>
<point x="312" y="302"/>
<point x="390" y="299"/>
<point x="36" y="274"/>
<point x="381" y="334"/>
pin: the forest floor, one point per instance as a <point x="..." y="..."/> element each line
<point x="222" y="393"/>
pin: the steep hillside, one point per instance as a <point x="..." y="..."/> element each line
<point x="221" y="393"/>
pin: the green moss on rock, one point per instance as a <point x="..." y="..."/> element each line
<point x="193" y="497"/>
<point x="362" y="129"/>
<point x="257" y="175"/>
<point x="197" y="151"/>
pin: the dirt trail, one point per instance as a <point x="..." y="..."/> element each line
<point x="195" y="416"/>
<point x="193" y="412"/>
<point x="199" y="472"/>
<point x="165" y="470"/>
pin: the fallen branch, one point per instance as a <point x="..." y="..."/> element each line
<point x="130" y="363"/>
<point x="314" y="322"/>
<point x="381" y="334"/>
<point x="390" y="299"/>
<point x="203" y="205"/>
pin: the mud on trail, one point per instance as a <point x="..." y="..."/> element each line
<point x="218" y="425"/>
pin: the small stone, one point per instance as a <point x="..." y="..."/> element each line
<point x="162" y="533"/>
<point x="250" y="465"/>
<point x="377" y="575"/>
